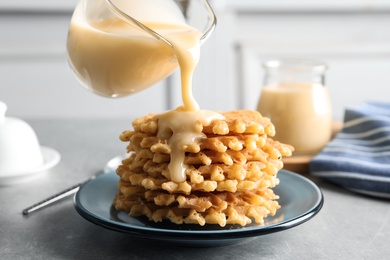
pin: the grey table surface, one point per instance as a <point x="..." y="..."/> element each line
<point x="349" y="226"/>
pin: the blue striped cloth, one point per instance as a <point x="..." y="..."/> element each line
<point x="358" y="158"/>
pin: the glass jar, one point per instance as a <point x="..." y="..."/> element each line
<point x="295" y="98"/>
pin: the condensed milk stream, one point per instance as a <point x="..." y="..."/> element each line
<point x="181" y="123"/>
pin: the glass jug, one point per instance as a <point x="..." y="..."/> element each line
<point x="119" y="47"/>
<point x="295" y="98"/>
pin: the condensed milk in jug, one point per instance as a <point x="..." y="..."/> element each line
<point x="119" y="47"/>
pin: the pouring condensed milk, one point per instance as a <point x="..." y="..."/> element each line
<point x="118" y="47"/>
<point x="296" y="100"/>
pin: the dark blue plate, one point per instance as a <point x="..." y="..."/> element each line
<point x="300" y="200"/>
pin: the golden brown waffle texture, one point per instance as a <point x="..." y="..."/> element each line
<point x="230" y="172"/>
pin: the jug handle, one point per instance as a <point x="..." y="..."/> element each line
<point x="213" y="23"/>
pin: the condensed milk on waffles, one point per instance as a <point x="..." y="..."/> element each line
<point x="224" y="175"/>
<point x="192" y="166"/>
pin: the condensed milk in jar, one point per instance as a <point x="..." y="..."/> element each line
<point x="297" y="101"/>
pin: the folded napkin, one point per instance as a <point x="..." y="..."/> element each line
<point x="358" y="158"/>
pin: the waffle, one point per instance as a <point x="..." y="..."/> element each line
<point x="220" y="208"/>
<point x="229" y="172"/>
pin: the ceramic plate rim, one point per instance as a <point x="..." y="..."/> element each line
<point x="148" y="232"/>
<point x="50" y="159"/>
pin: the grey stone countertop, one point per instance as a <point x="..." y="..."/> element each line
<point x="349" y="226"/>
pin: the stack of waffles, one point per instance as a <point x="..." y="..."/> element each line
<point x="230" y="172"/>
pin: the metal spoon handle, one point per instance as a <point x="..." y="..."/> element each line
<point x="111" y="165"/>
<point x="52" y="199"/>
<point x="56" y="197"/>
